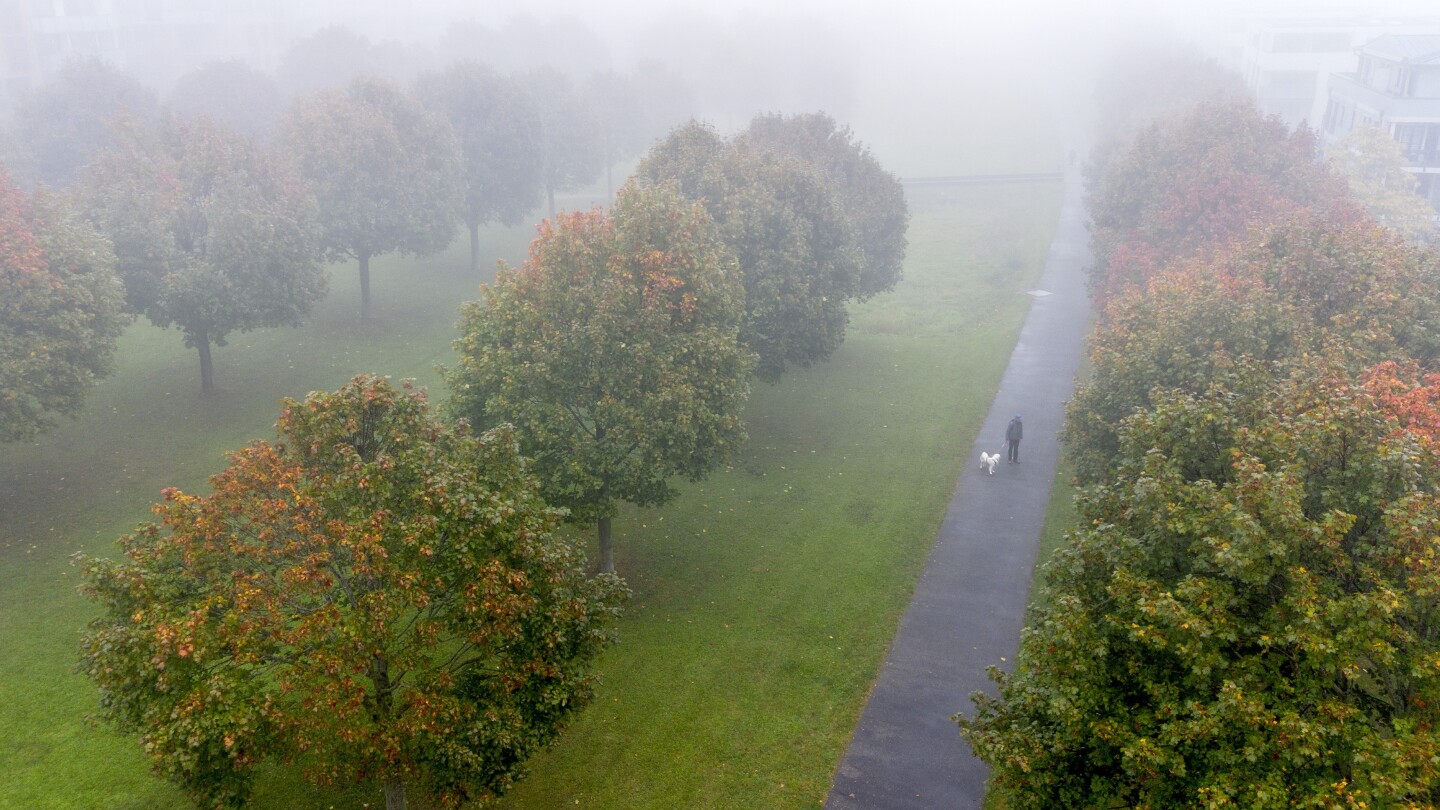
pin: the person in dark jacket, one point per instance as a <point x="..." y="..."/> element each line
<point x="1014" y="432"/>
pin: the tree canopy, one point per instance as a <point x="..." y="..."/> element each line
<point x="872" y="199"/>
<point x="1176" y="77"/>
<point x="60" y="311"/>
<point x="620" y="117"/>
<point x="387" y="173"/>
<point x="376" y="593"/>
<point x="572" y="150"/>
<point x="1190" y="184"/>
<point x="213" y="233"/>
<point x="1298" y="287"/>
<point x="1373" y="164"/>
<point x="613" y="350"/>
<point x="499" y="132"/>
<point x="797" y="250"/>
<point x="71" y="119"/>
<point x="232" y="93"/>
<point x="1246" y="616"/>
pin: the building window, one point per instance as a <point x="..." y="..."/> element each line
<point x="1400" y="83"/>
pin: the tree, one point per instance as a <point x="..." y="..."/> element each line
<point x="1257" y="632"/>
<point x="614" y="352"/>
<point x="499" y="133"/>
<point x="619" y="119"/>
<point x="376" y="593"/>
<point x="796" y="248"/>
<point x="1176" y="77"/>
<point x="60" y="311"/>
<point x="331" y="57"/>
<point x="387" y="173"/>
<point x="872" y="199"/>
<point x="1374" y="165"/>
<point x="213" y="234"/>
<point x="70" y="120"/>
<point x="666" y="100"/>
<point x="232" y="93"/>
<point x="1188" y="328"/>
<point x="571" y="156"/>
<point x="1301" y="286"/>
<point x="1189" y="185"/>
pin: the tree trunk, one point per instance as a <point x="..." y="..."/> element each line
<point x="550" y="195"/>
<point x="382" y="711"/>
<point x="474" y="246"/>
<point x="609" y="182"/>
<point x="607" y="553"/>
<point x="207" y="365"/>
<point x="364" y="285"/>
<point x="394" y="794"/>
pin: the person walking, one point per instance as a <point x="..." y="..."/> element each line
<point x="1014" y="432"/>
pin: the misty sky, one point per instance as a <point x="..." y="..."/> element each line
<point x="925" y="80"/>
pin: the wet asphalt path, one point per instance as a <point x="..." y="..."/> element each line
<point x="969" y="604"/>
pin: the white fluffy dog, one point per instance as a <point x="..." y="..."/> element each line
<point x="988" y="461"/>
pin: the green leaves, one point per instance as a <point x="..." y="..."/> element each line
<point x="213" y="234"/>
<point x="613" y="351"/>
<point x="1373" y="164"/>
<point x="1245" y="616"/>
<point x="385" y="172"/>
<point x="786" y="220"/>
<point x="376" y="591"/>
<point x="498" y="129"/>
<point x="1251" y="635"/>
<point x="60" y="311"/>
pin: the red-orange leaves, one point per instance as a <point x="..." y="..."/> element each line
<point x="1410" y="397"/>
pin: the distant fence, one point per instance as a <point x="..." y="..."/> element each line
<point x="981" y="179"/>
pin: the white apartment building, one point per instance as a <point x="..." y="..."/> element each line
<point x="1287" y="62"/>
<point x="1395" y="86"/>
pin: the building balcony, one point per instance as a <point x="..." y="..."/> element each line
<point x="1423" y="158"/>
<point x="1346" y="86"/>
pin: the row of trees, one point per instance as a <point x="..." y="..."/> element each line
<point x="380" y="595"/>
<point x="622" y="350"/>
<point x="218" y="231"/>
<point x="60" y="126"/>
<point x="1246" y="616"/>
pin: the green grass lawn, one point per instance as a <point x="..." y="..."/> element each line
<point x="764" y="598"/>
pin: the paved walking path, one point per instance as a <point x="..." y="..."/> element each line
<point x="970" y="601"/>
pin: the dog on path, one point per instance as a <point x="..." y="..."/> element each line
<point x="988" y="461"/>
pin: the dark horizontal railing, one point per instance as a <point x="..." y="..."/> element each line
<point x="976" y="179"/>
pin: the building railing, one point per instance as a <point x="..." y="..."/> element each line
<point x="1347" y="86"/>
<point x="1428" y="158"/>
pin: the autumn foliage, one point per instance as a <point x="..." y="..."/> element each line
<point x="1246" y="614"/>
<point x="375" y="595"/>
<point x="1301" y="285"/>
<point x="1192" y="184"/>
<point x="613" y="350"/>
<point x="1257" y="635"/>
